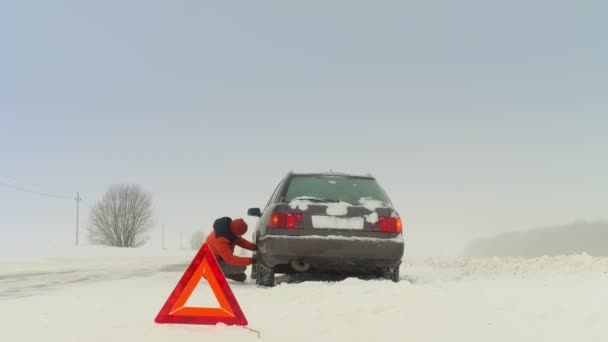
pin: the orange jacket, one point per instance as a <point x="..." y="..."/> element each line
<point x="225" y="236"/>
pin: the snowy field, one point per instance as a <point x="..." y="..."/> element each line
<point x="114" y="295"/>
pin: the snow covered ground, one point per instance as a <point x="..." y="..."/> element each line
<point x="114" y="295"/>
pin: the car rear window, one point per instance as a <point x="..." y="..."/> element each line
<point x="350" y="190"/>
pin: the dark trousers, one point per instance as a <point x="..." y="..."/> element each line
<point x="231" y="269"/>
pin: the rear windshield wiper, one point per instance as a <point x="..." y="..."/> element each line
<point x="318" y="199"/>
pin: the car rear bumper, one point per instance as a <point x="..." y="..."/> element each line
<point x="332" y="253"/>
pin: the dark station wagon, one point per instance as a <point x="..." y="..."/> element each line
<point x="327" y="223"/>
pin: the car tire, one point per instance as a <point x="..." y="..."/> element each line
<point x="254" y="270"/>
<point x="254" y="265"/>
<point x="264" y="276"/>
<point x="392" y="274"/>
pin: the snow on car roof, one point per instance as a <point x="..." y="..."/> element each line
<point x="333" y="173"/>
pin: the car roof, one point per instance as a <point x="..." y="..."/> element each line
<point x="332" y="174"/>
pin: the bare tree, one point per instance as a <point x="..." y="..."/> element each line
<point x="122" y="217"/>
<point x="198" y="238"/>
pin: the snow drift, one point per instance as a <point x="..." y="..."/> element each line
<point x="116" y="297"/>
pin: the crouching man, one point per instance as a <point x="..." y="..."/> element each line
<point x="225" y="236"/>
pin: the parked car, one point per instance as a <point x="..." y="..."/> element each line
<point x="327" y="223"/>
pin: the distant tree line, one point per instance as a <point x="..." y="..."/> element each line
<point x="575" y="238"/>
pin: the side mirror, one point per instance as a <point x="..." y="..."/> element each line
<point x="254" y="212"/>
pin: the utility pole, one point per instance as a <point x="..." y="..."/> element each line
<point x="77" y="214"/>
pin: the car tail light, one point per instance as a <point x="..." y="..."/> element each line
<point x="390" y="224"/>
<point x="292" y="219"/>
<point x="285" y="220"/>
<point x="277" y="220"/>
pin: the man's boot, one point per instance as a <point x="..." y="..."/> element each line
<point x="236" y="273"/>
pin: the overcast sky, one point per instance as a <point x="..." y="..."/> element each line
<point x="477" y="117"/>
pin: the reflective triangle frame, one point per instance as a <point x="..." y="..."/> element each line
<point x="205" y="265"/>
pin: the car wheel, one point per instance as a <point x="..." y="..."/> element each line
<point x="392" y="274"/>
<point x="264" y="275"/>
<point x="254" y="270"/>
<point x="254" y="265"/>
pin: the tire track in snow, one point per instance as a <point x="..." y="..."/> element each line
<point x="34" y="280"/>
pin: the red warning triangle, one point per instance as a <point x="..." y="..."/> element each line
<point x="175" y="311"/>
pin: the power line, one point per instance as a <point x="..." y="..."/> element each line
<point x="87" y="203"/>
<point x="49" y="195"/>
<point x="27" y="184"/>
<point x="16" y="187"/>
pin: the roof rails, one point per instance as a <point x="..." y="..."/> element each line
<point x="332" y="173"/>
